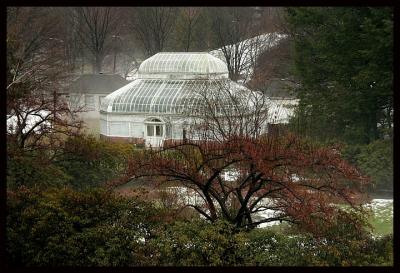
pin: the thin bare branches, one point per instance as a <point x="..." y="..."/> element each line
<point x="96" y="25"/>
<point x="37" y="117"/>
<point x="153" y="27"/>
<point x="261" y="178"/>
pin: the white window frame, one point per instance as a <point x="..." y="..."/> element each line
<point x="101" y="98"/>
<point x="90" y="105"/>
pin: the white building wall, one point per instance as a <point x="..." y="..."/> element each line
<point x="90" y="116"/>
<point x="176" y="131"/>
<point x="136" y="129"/>
<point x="133" y="125"/>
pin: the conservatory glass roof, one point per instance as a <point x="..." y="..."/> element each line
<point x="175" y="83"/>
<point x="165" y="96"/>
<point x="183" y="65"/>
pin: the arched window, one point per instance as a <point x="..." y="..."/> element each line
<point x="154" y="127"/>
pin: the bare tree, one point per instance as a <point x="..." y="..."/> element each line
<point x="126" y="52"/>
<point x="36" y="73"/>
<point x="31" y="38"/>
<point x="96" y="25"/>
<point x="230" y="26"/>
<point x="224" y="109"/>
<point x="128" y="65"/>
<point x="230" y="30"/>
<point x="274" y="66"/>
<point x="241" y="36"/>
<point x="153" y="27"/>
<point x="189" y="20"/>
<point x="68" y="31"/>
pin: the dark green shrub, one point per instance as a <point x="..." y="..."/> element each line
<point x="374" y="160"/>
<point x="194" y="243"/>
<point x="96" y="228"/>
<point x="65" y="227"/>
<point x="90" y="162"/>
<point x="33" y="168"/>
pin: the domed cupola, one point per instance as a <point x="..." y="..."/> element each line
<point x="183" y="65"/>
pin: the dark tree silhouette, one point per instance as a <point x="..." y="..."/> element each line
<point x="153" y="27"/>
<point x="95" y="29"/>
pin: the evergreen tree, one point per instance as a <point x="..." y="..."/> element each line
<point x="343" y="57"/>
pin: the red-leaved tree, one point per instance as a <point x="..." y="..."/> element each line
<point x="297" y="180"/>
<point x="245" y="176"/>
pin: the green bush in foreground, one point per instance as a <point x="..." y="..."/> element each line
<point x="219" y="244"/>
<point x="31" y="169"/>
<point x="194" y="243"/>
<point x="81" y="162"/>
<point x="64" y="227"/>
<point x="91" y="162"/>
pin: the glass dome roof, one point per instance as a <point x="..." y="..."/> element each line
<point x="183" y="65"/>
<point x="175" y="83"/>
<point x="168" y="96"/>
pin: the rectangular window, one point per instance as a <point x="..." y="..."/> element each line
<point x="89" y="102"/>
<point x="150" y="130"/>
<point x="103" y="127"/>
<point x="159" y="130"/>
<point x="101" y="98"/>
<point x="74" y="101"/>
<point x="168" y="130"/>
<point x="184" y="134"/>
<point x="136" y="130"/>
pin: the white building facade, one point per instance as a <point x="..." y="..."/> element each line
<point x="87" y="93"/>
<point x="160" y="103"/>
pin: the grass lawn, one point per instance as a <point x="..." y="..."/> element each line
<point x="382" y="217"/>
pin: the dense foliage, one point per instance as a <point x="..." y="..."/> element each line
<point x="300" y="180"/>
<point x="344" y="60"/>
<point x="81" y="161"/>
<point x="25" y="168"/>
<point x="66" y="227"/>
<point x="97" y="228"/>
<point x="92" y="162"/>
<point x="59" y="211"/>
<point x="374" y="160"/>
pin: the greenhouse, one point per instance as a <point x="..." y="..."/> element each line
<point x="168" y="93"/>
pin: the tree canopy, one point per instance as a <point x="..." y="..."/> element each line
<point x="343" y="58"/>
<point x="301" y="179"/>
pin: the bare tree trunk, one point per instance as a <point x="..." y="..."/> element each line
<point x="96" y="26"/>
<point x="98" y="63"/>
<point x="36" y="72"/>
<point x="153" y="26"/>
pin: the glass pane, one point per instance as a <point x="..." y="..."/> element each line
<point x="101" y="98"/>
<point x="159" y="130"/>
<point x="74" y="99"/>
<point x="150" y="130"/>
<point x="168" y="130"/>
<point x="89" y="102"/>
